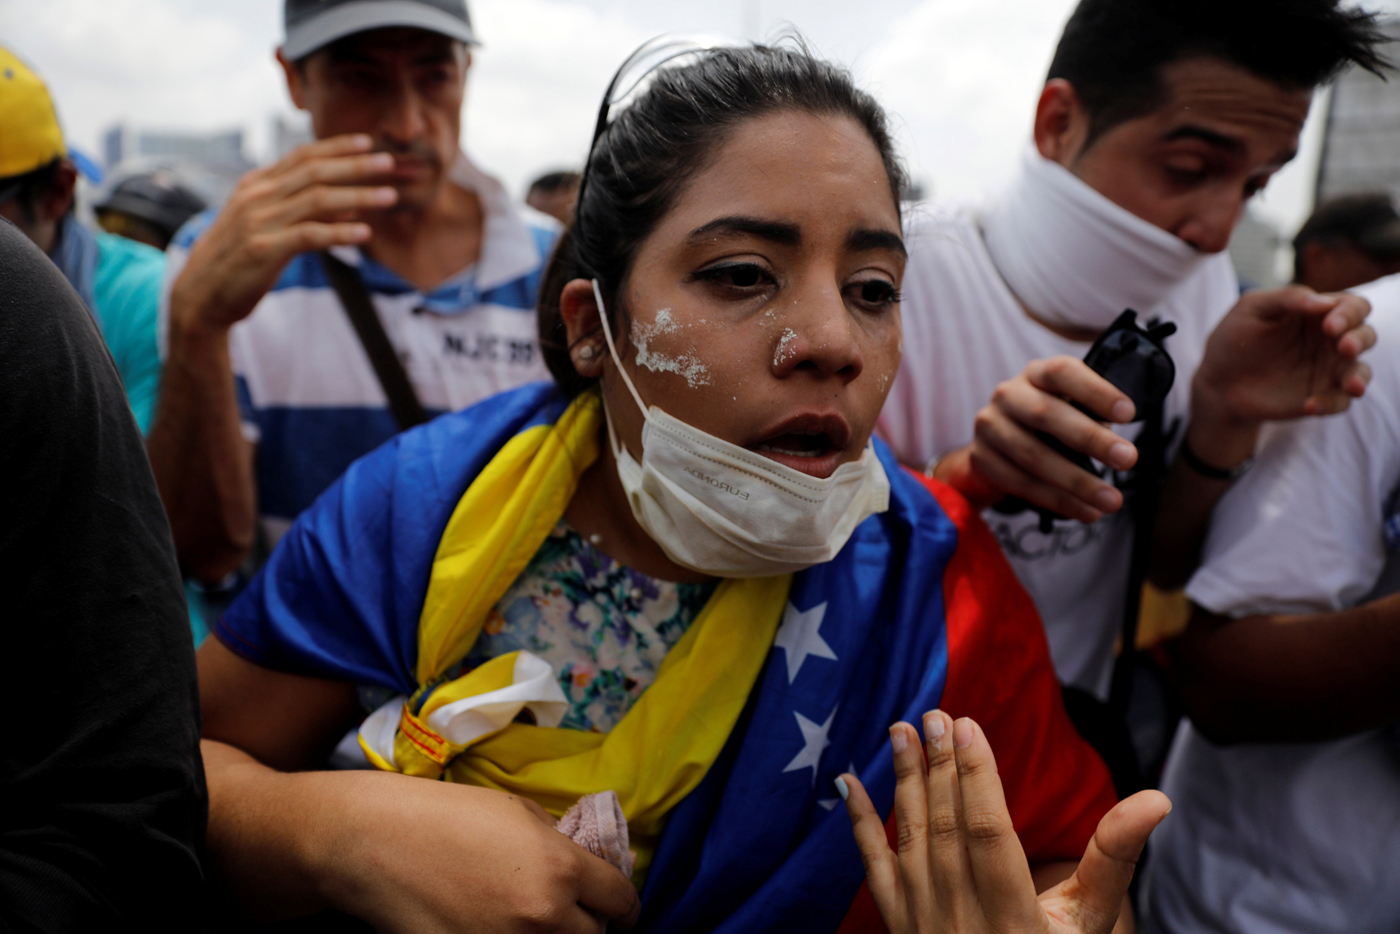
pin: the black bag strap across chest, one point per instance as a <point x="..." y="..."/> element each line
<point x="354" y="297"/>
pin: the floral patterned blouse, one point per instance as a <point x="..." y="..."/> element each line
<point x="604" y="628"/>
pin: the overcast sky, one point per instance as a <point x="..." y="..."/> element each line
<point x="959" y="77"/>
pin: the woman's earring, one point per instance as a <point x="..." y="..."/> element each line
<point x="587" y="353"/>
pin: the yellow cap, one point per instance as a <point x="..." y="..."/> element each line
<point x="29" y="133"/>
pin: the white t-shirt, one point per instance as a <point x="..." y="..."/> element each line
<point x="964" y="332"/>
<point x="1304" y="837"/>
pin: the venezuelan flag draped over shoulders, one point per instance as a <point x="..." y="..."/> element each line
<point x="918" y="611"/>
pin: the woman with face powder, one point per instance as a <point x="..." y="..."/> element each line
<point x="681" y="573"/>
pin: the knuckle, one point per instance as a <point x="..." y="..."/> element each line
<point x="910" y="834"/>
<point x="983" y="826"/>
<point x="972" y="766"/>
<point x="256" y="218"/>
<point x="540" y="912"/>
<point x="1081" y="485"/>
<point x="258" y="249"/>
<point x="943" y="824"/>
<point x="1091" y="437"/>
<point x="987" y="466"/>
<point x="984" y="420"/>
<point x="556" y="869"/>
<point x="904" y="770"/>
<point x="940" y="757"/>
<point x="242" y="200"/>
<point x="1058" y="370"/>
<point x="1037" y="409"/>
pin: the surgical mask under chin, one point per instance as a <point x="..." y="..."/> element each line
<point x="726" y="511"/>
<point x="1075" y="258"/>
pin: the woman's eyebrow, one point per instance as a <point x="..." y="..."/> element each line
<point x="774" y="231"/>
<point x="870" y="238"/>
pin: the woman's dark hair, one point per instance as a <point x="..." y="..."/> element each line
<point x="645" y="157"/>
<point x="1113" y="51"/>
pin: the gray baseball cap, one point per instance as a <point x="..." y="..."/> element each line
<point x="312" y="24"/>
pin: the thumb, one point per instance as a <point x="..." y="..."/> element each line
<point x="1101" y="881"/>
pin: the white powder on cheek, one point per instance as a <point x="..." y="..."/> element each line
<point x="784" y="351"/>
<point x="687" y="366"/>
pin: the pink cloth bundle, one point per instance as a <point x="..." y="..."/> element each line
<point x="597" y="824"/>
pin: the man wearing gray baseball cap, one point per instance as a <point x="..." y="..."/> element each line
<point x="362" y="284"/>
<point x="311" y="24"/>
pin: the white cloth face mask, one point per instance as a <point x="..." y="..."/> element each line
<point x="1075" y="258"/>
<point x="726" y="511"/>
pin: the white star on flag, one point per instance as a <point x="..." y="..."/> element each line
<point x="814" y="739"/>
<point x="799" y="637"/>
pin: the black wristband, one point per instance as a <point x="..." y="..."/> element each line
<point x="1209" y="471"/>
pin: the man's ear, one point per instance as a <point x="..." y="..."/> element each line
<point x="578" y="309"/>
<point x="296" y="81"/>
<point x="58" y="200"/>
<point x="1312" y="261"/>
<point x="1061" y="122"/>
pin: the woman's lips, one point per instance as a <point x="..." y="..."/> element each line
<point x="812" y="443"/>
<point x="820" y="466"/>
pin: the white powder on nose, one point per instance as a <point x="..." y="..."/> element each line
<point x="785" y="349"/>
<point x="687" y="366"/>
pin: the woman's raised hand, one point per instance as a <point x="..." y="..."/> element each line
<point x="960" y="868"/>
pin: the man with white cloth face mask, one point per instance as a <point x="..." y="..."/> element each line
<point x="1157" y="124"/>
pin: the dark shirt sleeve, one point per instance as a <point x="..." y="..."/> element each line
<point x="103" y="807"/>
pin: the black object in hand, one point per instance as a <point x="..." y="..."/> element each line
<point x="1133" y="359"/>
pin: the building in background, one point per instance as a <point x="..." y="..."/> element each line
<point x="210" y="163"/>
<point x="1361" y="147"/>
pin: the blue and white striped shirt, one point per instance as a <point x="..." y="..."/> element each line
<point x="308" y="393"/>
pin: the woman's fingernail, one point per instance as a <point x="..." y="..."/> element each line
<point x="1122" y="411"/>
<point x="897" y="738"/>
<point x="1107" y="500"/>
<point x="962" y="733"/>
<point x="1121" y="455"/>
<point x="934" y="727"/>
<point x="841" y="788"/>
